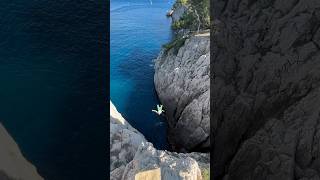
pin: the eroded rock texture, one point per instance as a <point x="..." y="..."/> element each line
<point x="124" y="141"/>
<point x="173" y="166"/>
<point x="266" y="89"/>
<point x="131" y="154"/>
<point x="182" y="83"/>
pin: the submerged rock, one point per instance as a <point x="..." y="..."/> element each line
<point x="266" y="90"/>
<point x="132" y="156"/>
<point x="182" y="83"/>
<point x="13" y="165"/>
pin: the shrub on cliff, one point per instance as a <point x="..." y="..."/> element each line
<point x="177" y="43"/>
<point x="202" y="7"/>
<point x="186" y="22"/>
<point x="197" y="16"/>
<point x="180" y="2"/>
<point x="205" y="174"/>
<point x="184" y="2"/>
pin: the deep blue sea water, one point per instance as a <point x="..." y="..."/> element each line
<point x="138" y="29"/>
<point x="51" y="73"/>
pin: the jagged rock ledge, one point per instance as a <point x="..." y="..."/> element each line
<point x="13" y="165"/>
<point x="132" y="156"/>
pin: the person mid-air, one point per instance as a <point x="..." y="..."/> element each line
<point x="159" y="110"/>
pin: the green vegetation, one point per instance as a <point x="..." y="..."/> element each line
<point x="186" y="22"/>
<point x="197" y="17"/>
<point x="184" y="2"/>
<point x="177" y="43"/>
<point x="205" y="174"/>
<point x="203" y="9"/>
<point x="180" y="2"/>
<point x="198" y="14"/>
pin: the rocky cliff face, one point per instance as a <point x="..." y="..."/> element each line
<point x="266" y="89"/>
<point x="132" y="156"/>
<point x="124" y="140"/>
<point x="13" y="165"/>
<point x="178" y="11"/>
<point x="182" y="83"/>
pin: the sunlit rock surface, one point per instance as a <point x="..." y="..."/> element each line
<point x="131" y="154"/>
<point x="13" y="166"/>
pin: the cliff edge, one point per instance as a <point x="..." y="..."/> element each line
<point x="182" y="77"/>
<point x="183" y="85"/>
<point x="13" y="165"/>
<point x="133" y="158"/>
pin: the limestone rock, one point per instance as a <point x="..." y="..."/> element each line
<point x="173" y="166"/>
<point x="124" y="140"/>
<point x="116" y="174"/>
<point x="182" y="83"/>
<point x="12" y="163"/>
<point x="131" y="156"/>
<point x="266" y="89"/>
<point x="154" y="174"/>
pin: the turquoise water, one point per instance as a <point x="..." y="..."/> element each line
<point x="138" y="29"/>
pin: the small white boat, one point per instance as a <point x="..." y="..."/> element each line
<point x="170" y="12"/>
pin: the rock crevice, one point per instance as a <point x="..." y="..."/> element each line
<point x="182" y="83"/>
<point x="131" y="156"/>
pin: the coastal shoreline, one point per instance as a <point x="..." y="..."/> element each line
<point x="182" y="83"/>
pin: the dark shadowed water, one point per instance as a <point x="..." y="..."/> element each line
<point x="50" y="75"/>
<point x="138" y="30"/>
